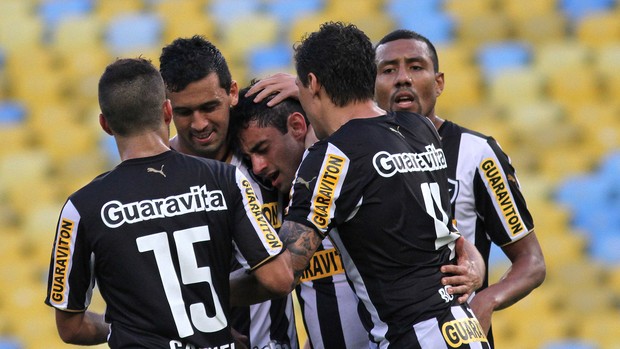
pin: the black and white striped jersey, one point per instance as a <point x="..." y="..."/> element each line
<point x="157" y="234"/>
<point x="273" y="321"/>
<point x="378" y="188"/>
<point x="328" y="304"/>
<point x="485" y="195"/>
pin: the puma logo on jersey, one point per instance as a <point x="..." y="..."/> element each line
<point x="396" y="130"/>
<point x="160" y="171"/>
<point x="300" y="180"/>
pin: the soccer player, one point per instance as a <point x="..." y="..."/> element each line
<point x="201" y="90"/>
<point x="377" y="185"/>
<point x="485" y="195"/>
<point x="274" y="140"/>
<point x="157" y="233"/>
<point x="408" y="78"/>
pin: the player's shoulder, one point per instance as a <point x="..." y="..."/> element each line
<point x="198" y="161"/>
<point x="409" y="118"/>
<point x="450" y="128"/>
<point x="466" y="135"/>
<point x="414" y="122"/>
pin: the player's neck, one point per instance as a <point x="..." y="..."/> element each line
<point x="437" y="121"/>
<point x="357" y="110"/>
<point x="141" y="146"/>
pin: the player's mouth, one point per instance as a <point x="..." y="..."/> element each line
<point x="273" y="177"/>
<point x="203" y="137"/>
<point x="403" y="101"/>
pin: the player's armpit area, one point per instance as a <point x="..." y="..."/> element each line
<point x="301" y="241"/>
<point x="82" y="328"/>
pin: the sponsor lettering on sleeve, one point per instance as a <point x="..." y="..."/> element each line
<point x="503" y="197"/>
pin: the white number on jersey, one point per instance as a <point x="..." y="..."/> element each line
<point x="432" y="201"/>
<point x="190" y="274"/>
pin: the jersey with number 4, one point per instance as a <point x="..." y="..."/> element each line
<point x="378" y="187"/>
<point x="157" y="234"/>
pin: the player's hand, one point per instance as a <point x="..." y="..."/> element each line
<point x="465" y="277"/>
<point x="282" y="85"/>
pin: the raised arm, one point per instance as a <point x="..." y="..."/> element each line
<point x="82" y="328"/>
<point x="468" y="275"/>
<point x="280" y="84"/>
<point x="273" y="279"/>
<point x="528" y="271"/>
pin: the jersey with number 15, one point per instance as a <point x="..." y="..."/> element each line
<point x="157" y="234"/>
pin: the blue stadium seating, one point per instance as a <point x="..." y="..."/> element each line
<point x="577" y="9"/>
<point x="132" y="32"/>
<point x="400" y="9"/>
<point x="53" y="11"/>
<point x="610" y="164"/>
<point x="287" y="11"/>
<point x="437" y="27"/>
<point x="497" y="257"/>
<point x="9" y="343"/>
<point x="108" y="145"/>
<point x="605" y="244"/>
<point x="585" y="195"/>
<point x="268" y="59"/>
<point x="225" y="11"/>
<point x="497" y="56"/>
<point x="11" y="112"/>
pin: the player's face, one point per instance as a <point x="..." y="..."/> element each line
<point x="274" y="156"/>
<point x="201" y="114"/>
<point x="406" y="79"/>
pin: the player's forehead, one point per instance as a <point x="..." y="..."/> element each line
<point x="205" y="90"/>
<point x="402" y="49"/>
<point x="254" y="135"/>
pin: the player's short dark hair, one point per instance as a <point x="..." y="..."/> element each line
<point x="342" y="58"/>
<point x="131" y="96"/>
<point x="247" y="111"/>
<point x="399" y="34"/>
<point x="188" y="60"/>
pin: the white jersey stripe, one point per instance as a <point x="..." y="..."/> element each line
<point x="380" y="328"/>
<point x="429" y="334"/>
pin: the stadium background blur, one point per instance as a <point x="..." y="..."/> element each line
<point x="541" y="76"/>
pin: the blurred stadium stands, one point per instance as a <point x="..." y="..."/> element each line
<point x="539" y="75"/>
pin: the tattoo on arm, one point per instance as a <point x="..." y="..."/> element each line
<point x="301" y="241"/>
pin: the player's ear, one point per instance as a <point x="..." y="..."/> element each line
<point x="313" y="84"/>
<point x="296" y="125"/>
<point x="167" y="111"/>
<point x="439" y="83"/>
<point x="104" y="124"/>
<point x="234" y="93"/>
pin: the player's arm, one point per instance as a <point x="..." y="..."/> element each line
<point x="82" y="328"/>
<point x="467" y="276"/>
<point x="280" y="84"/>
<point x="280" y="275"/>
<point x="528" y="271"/>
